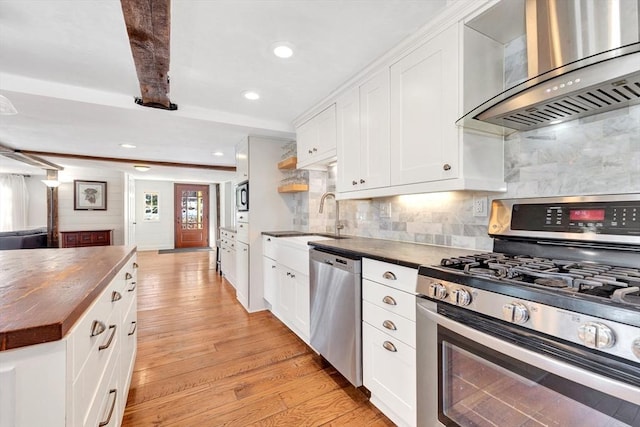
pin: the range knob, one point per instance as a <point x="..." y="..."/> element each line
<point x="635" y="347"/>
<point x="515" y="312"/>
<point x="596" y="335"/>
<point x="437" y="291"/>
<point x="460" y="297"/>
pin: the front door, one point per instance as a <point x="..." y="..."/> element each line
<point x="191" y="207"/>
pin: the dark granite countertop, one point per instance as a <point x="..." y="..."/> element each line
<point x="292" y="233"/>
<point x="402" y="253"/>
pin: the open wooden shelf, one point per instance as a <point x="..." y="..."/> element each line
<point x="288" y="164"/>
<point x="293" y="188"/>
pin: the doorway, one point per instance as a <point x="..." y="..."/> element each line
<point x="191" y="206"/>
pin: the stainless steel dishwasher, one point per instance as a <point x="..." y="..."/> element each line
<point x="336" y="312"/>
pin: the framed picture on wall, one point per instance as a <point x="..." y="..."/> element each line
<point x="151" y="208"/>
<point x="89" y="195"/>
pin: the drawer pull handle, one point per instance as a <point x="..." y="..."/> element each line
<point x="115" y="296"/>
<point x="113" y="405"/>
<point x="389" y="275"/>
<point x="113" y="332"/>
<point x="133" y="287"/>
<point x="128" y="276"/>
<point x="135" y="326"/>
<point x="97" y="327"/>
<point x="389" y="300"/>
<point x="389" y="346"/>
<point x="389" y="325"/>
<point x="268" y="239"/>
<point x="135" y="265"/>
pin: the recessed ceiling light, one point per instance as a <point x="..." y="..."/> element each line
<point x="127" y="146"/>
<point x="283" y="50"/>
<point x="141" y="168"/>
<point x="251" y="95"/>
<point x="218" y="153"/>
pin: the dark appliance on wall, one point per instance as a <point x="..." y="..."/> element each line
<point x="545" y="330"/>
<point x="242" y="196"/>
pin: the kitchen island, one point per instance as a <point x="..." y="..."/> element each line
<point x="67" y="335"/>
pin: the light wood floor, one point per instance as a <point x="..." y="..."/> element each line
<point x="204" y="361"/>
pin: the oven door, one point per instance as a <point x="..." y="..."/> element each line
<point x="467" y="377"/>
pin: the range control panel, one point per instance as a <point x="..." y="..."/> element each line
<point x="621" y="218"/>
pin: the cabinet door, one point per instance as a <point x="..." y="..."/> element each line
<point x="286" y="294"/>
<point x="348" y="122"/>
<point x="270" y="275"/>
<point x="302" y="309"/>
<point x="424" y="108"/>
<point x="374" y="132"/>
<point x="317" y="137"/>
<point x="242" y="273"/>
<point x="390" y="375"/>
<point x="242" y="161"/>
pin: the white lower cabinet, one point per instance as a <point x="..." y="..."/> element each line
<point x="228" y="255"/>
<point x="242" y="273"/>
<point x="389" y="339"/>
<point x="82" y="379"/>
<point x="286" y="283"/>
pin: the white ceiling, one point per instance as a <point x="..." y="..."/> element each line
<point x="67" y="67"/>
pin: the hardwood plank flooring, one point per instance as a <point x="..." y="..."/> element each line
<point x="204" y="361"/>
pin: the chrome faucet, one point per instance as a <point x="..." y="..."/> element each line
<point x="338" y="225"/>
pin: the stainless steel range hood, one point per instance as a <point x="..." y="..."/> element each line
<point x="583" y="59"/>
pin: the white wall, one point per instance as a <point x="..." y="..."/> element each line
<point x="110" y="219"/>
<point x="155" y="235"/>
<point x="37" y="215"/>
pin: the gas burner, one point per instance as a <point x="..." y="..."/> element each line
<point x="550" y="282"/>
<point x="597" y="280"/>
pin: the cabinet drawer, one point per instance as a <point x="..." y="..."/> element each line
<point x="105" y="403"/>
<point x="390" y="299"/>
<point x="103" y="310"/>
<point x="270" y="247"/>
<point x="242" y="216"/>
<point x="396" y="276"/>
<point x="390" y="323"/>
<point x="294" y="257"/>
<point x="100" y="364"/>
<point x="389" y="372"/>
<point x="243" y="232"/>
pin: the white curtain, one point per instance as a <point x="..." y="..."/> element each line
<point x="14" y="202"/>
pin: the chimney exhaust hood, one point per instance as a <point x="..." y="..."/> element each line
<point x="583" y="59"/>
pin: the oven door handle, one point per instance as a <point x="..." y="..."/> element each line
<point x="618" y="389"/>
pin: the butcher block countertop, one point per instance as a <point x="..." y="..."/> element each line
<point x="43" y="292"/>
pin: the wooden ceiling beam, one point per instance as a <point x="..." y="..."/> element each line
<point x="130" y="161"/>
<point x="149" y="28"/>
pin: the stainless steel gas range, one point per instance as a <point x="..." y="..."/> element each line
<point x="545" y="330"/>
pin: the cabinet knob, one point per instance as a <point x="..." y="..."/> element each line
<point x="361" y="181"/>
<point x="354" y="182"/>
<point x="315" y="149"/>
<point x="446" y="167"/>
<point x="310" y="152"/>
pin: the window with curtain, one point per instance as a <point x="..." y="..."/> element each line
<point x="14" y="202"/>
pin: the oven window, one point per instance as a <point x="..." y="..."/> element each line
<point x="481" y="387"/>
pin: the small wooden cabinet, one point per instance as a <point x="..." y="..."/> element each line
<point x="78" y="239"/>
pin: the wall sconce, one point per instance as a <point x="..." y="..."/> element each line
<point x="52" y="178"/>
<point x="141" y="168"/>
<point x="6" y="107"/>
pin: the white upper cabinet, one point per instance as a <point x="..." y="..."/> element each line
<point x="316" y="139"/>
<point x="424" y="97"/>
<point x="363" y="135"/>
<point x="242" y="161"/>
